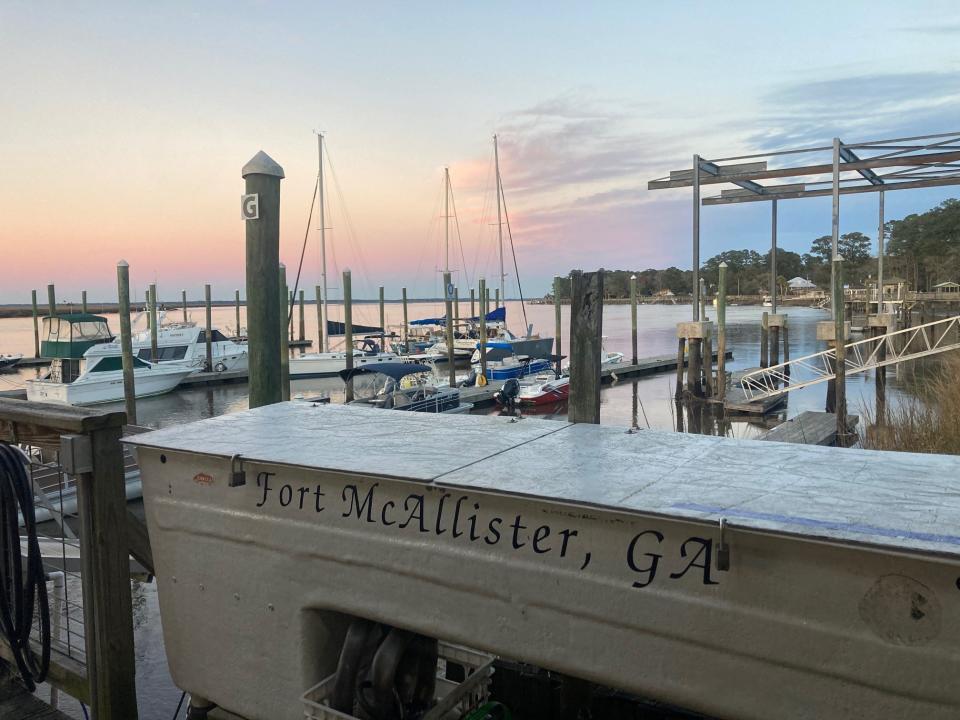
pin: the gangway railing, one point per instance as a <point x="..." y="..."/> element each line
<point x="887" y="349"/>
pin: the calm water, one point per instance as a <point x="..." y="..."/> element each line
<point x="656" y="331"/>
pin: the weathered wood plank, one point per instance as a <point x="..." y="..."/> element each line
<point x="586" y="331"/>
<point x="809" y="428"/>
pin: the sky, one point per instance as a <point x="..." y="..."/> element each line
<point x="124" y="126"/>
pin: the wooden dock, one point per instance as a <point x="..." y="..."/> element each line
<point x="809" y="428"/>
<point x="24" y="706"/>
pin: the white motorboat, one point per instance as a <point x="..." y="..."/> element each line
<point x="102" y="379"/>
<point x="186" y="345"/>
<point x="329" y="364"/>
<point x="9" y="362"/>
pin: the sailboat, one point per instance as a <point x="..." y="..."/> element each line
<point x="326" y="362"/>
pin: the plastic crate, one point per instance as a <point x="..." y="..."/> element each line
<point x="452" y="699"/>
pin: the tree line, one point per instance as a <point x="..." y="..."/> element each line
<point x="922" y="248"/>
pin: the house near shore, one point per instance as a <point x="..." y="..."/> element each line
<point x="799" y="286"/>
<point x="666" y="292"/>
<point x="947" y="288"/>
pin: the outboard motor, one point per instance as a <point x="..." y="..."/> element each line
<point x="470" y="380"/>
<point x="507" y="395"/>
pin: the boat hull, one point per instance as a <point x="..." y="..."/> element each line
<point x="106" y="389"/>
<point x="330" y="364"/>
<point x="546" y="394"/>
<point x="517" y="371"/>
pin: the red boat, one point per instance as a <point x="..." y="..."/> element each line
<point x="544" y="390"/>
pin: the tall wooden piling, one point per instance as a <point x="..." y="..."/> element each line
<point x="448" y="321"/>
<point x="303" y="321"/>
<point x="291" y="304"/>
<point x="681" y="361"/>
<point x="208" y="329"/>
<point x="264" y="326"/>
<point x="633" y="318"/>
<point x="348" y="329"/>
<point x="152" y="314"/>
<point x="286" y="310"/>
<point x="483" y="328"/>
<point x="320" y="320"/>
<point x="764" y="340"/>
<point x="146" y="309"/>
<point x="586" y="331"/>
<point x="126" y="341"/>
<point x="708" y="365"/>
<point x="183" y="294"/>
<point x="695" y="366"/>
<point x="36" y="324"/>
<point x="83" y="301"/>
<point x="236" y="307"/>
<point x="383" y="319"/>
<point x="774" y="344"/>
<point x="722" y="333"/>
<point x="405" y="321"/>
<point x="52" y="299"/>
<point x="456" y="307"/>
<point x="703" y="300"/>
<point x="497" y="296"/>
<point x="557" y="322"/>
<point x="840" y="391"/>
<point x="473" y="303"/>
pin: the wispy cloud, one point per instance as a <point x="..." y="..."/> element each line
<point x="950" y="28"/>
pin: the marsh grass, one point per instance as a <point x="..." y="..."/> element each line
<point x="928" y="421"/>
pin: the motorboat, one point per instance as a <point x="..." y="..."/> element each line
<point x="330" y="364"/>
<point x="102" y="379"/>
<point x="9" y="362"/>
<point x="544" y="390"/>
<point x="515" y="366"/>
<point x="406" y="386"/>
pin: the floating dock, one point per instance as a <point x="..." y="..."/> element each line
<point x="809" y="428"/>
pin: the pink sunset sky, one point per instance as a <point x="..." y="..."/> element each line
<point x="124" y="127"/>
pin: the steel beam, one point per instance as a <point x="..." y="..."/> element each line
<point x="849" y="156"/>
<point x="911" y="185"/>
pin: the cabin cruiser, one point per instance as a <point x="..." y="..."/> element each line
<point x="407" y="386"/>
<point x="86" y="368"/>
<point x="328" y="364"/>
<point x="9" y="362"/>
<point x="186" y="344"/>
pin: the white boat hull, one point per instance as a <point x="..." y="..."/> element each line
<point x="106" y="387"/>
<point x="330" y="364"/>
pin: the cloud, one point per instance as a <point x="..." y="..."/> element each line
<point x="941" y="29"/>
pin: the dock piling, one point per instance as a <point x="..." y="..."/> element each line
<point x="681" y="361"/>
<point x="497" y="299"/>
<point x="405" y="320"/>
<point x="473" y="303"/>
<point x="558" y="324"/>
<point x="448" y="321"/>
<point x="721" y="386"/>
<point x="52" y="299"/>
<point x="348" y="329"/>
<point x="383" y="321"/>
<point x="456" y="306"/>
<point x="236" y="305"/>
<point x="183" y="295"/>
<point x="764" y="339"/>
<point x="840" y="391"/>
<point x="286" y="309"/>
<point x="83" y="301"/>
<point x="303" y="323"/>
<point x="126" y="341"/>
<point x="152" y="314"/>
<point x="633" y="318"/>
<point x="320" y="326"/>
<point x="484" y="293"/>
<point x="264" y="327"/>
<point x="36" y="325"/>
<point x="146" y="309"/>
<point x="586" y="331"/>
<point x="208" y="331"/>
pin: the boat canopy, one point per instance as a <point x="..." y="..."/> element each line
<point x="335" y="329"/>
<point x="394" y="370"/>
<point x="70" y="335"/>
<point x="498" y="315"/>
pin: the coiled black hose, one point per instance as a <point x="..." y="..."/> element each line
<point x="21" y="592"/>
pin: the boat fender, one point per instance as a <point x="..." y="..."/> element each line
<point x="220" y="367"/>
<point x="481" y="380"/>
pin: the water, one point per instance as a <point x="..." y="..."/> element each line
<point x="656" y="336"/>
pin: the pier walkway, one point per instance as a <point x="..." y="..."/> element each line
<point x="809" y="428"/>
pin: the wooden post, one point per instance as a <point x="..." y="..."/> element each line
<point x="105" y="576"/>
<point x="722" y="333"/>
<point x="303" y="322"/>
<point x="290" y="303"/>
<point x="383" y="320"/>
<point x="183" y="294"/>
<point x="448" y="320"/>
<point x="557" y="322"/>
<point x="880" y="378"/>
<point x="264" y="326"/>
<point x="775" y="345"/>
<point x="83" y="300"/>
<point x="236" y="305"/>
<point x="405" y="321"/>
<point x="473" y="303"/>
<point x="285" y="310"/>
<point x="708" y="366"/>
<point x="348" y="329"/>
<point x="764" y="340"/>
<point x="126" y="341"/>
<point x="320" y="326"/>
<point x="146" y="309"/>
<point x="703" y="300"/>
<point x="36" y="325"/>
<point x="456" y="308"/>
<point x="52" y="299"/>
<point x="208" y="331"/>
<point x="681" y="361"/>
<point x="633" y="317"/>
<point x="786" y="346"/>
<point x="152" y="314"/>
<point x="695" y="366"/>
<point x="483" y="328"/>
<point x="840" y="391"/>
<point x="586" y="331"/>
<point x="497" y="299"/>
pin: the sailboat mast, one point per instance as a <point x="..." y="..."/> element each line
<point x="446" y="215"/>
<point x="323" y="242"/>
<point x="496" y="160"/>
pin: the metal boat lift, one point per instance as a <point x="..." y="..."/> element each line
<point x="887" y="349"/>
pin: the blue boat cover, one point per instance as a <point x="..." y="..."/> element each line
<point x="498" y="315"/>
<point x="396" y="370"/>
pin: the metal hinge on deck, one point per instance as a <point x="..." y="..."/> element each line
<point x="238" y="476"/>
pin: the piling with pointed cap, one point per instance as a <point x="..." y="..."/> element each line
<point x="152" y="314"/>
<point x="36" y="325"/>
<point x="633" y="317"/>
<point x="348" y="329"/>
<point x="52" y="299"/>
<point x="126" y="341"/>
<point x="286" y="310"/>
<point x="264" y="325"/>
<point x="586" y="331"/>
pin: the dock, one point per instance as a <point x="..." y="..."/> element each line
<point x="809" y="428"/>
<point x="24" y="706"/>
<point x="647" y="366"/>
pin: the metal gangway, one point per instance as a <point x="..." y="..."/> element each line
<point x="887" y="349"/>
